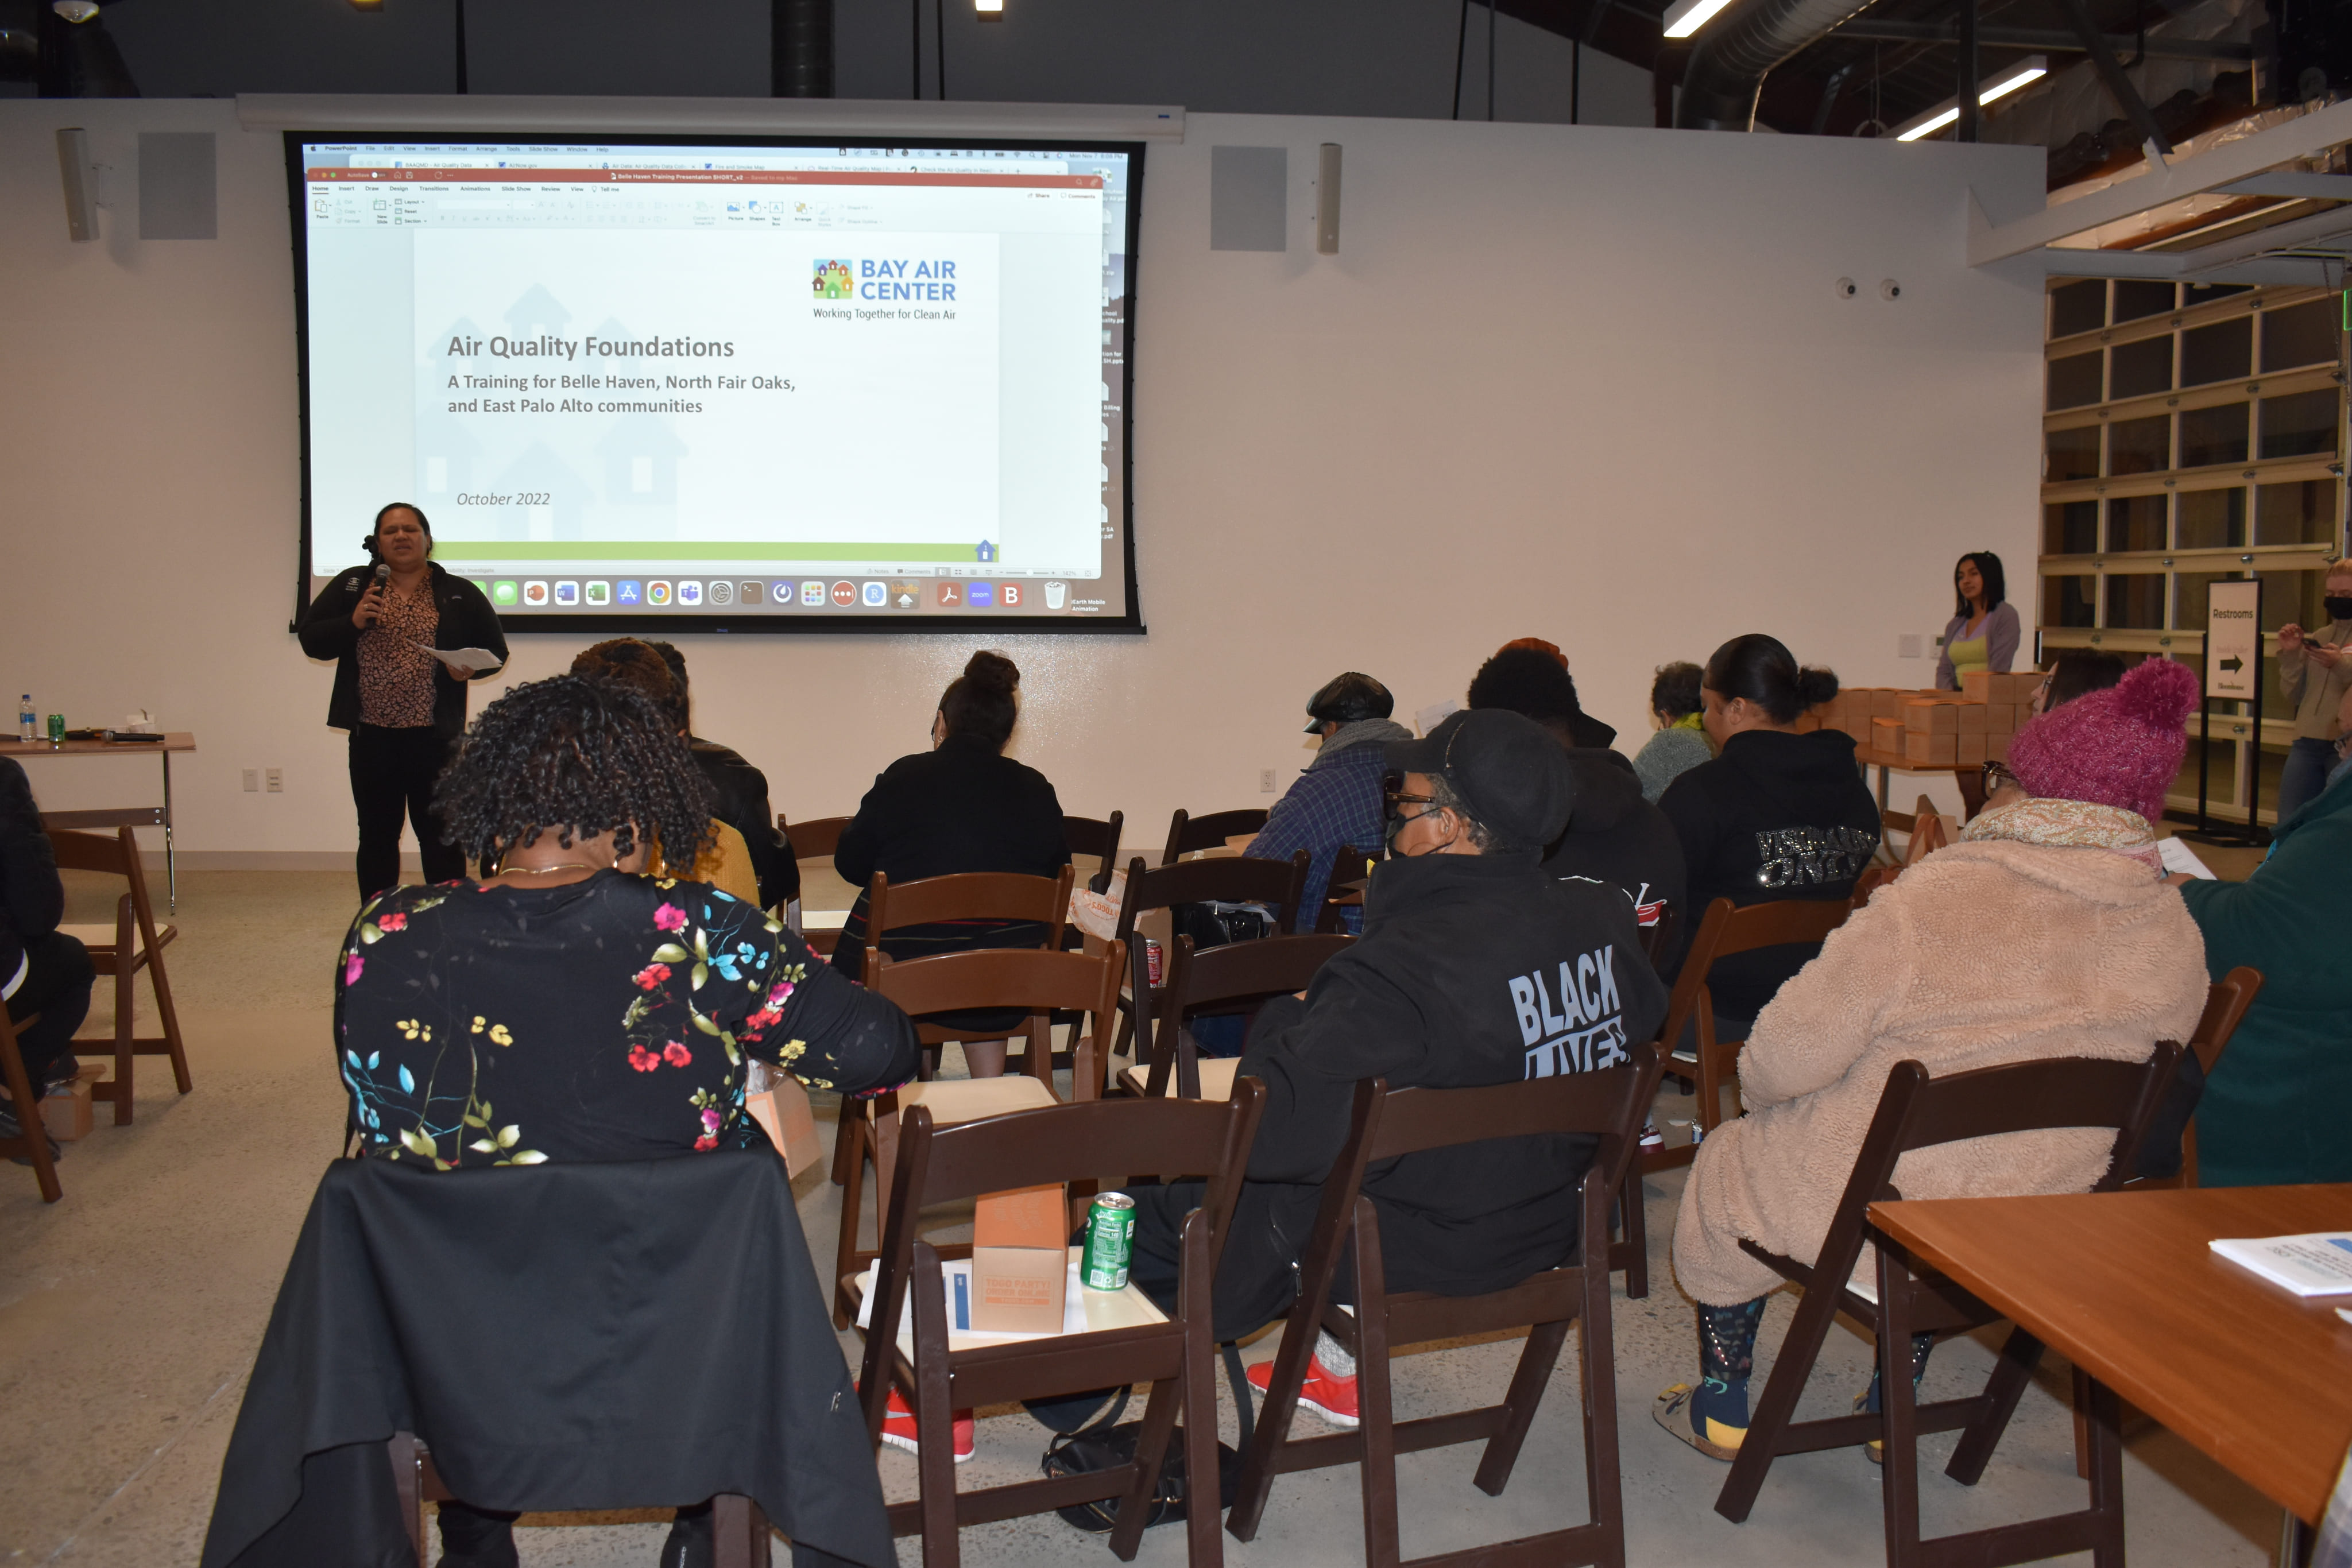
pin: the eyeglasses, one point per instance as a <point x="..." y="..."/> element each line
<point x="1995" y="775"/>
<point x="1393" y="795"/>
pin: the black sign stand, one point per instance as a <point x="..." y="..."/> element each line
<point x="2253" y="835"/>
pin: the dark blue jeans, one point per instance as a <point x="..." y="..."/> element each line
<point x="2305" y="774"/>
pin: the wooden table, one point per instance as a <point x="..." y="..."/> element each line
<point x="176" y="740"/>
<point x="1969" y="776"/>
<point x="2124" y="1285"/>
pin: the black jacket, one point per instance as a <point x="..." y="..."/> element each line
<point x="467" y="621"/>
<point x="1472" y="971"/>
<point x="32" y="896"/>
<point x="1775" y="816"/>
<point x="962" y="806"/>
<point x="1616" y="837"/>
<point x="738" y="795"/>
<point x="638" y="1334"/>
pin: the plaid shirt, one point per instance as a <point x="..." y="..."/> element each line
<point x="1335" y="804"/>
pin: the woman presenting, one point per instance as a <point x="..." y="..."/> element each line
<point x="1982" y="634"/>
<point x="402" y="706"/>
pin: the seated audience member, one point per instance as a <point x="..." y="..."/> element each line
<point x="1777" y="815"/>
<point x="1583" y="729"/>
<point x="42" y="969"/>
<point x="1680" y="742"/>
<point x="569" y="1008"/>
<point x="1613" y="836"/>
<point x="2056" y="888"/>
<point x="2315" y="676"/>
<point x="962" y="805"/>
<point x="2078" y="671"/>
<point x="739" y="795"/>
<point x="724" y="858"/>
<point x="2278" y="1104"/>
<point x="1335" y="804"/>
<point x="1983" y="632"/>
<point x="1461" y="927"/>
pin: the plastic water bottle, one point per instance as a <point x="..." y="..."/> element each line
<point x="28" y="721"/>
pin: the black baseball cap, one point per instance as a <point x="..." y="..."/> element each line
<point x="1345" y="699"/>
<point x="1507" y="768"/>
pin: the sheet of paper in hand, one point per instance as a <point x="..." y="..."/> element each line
<point x="464" y="662"/>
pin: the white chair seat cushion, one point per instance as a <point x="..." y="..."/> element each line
<point x="1217" y="1074"/>
<point x="953" y="1100"/>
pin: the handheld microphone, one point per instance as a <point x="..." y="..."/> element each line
<point x="382" y="576"/>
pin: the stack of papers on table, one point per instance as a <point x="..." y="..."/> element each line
<point x="2319" y="1264"/>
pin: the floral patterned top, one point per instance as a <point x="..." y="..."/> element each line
<point x="606" y="1019"/>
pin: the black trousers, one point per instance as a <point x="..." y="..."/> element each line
<point x="1257" y="1278"/>
<point x="57" y="986"/>
<point x="393" y="773"/>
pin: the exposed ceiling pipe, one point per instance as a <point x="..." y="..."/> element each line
<point x="1740" y="48"/>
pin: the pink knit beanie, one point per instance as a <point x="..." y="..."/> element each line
<point x="2121" y="747"/>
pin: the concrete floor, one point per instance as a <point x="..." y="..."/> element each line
<point x="130" y="1314"/>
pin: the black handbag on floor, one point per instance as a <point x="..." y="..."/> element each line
<point x="1108" y="1448"/>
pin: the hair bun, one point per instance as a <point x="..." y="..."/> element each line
<point x="2159" y="693"/>
<point x="993" y="671"/>
<point x="1816" y="685"/>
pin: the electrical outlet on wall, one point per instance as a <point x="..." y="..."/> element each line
<point x="277" y="777"/>
<point x="1265" y="780"/>
<point x="252" y="779"/>
<point x="1907" y="645"/>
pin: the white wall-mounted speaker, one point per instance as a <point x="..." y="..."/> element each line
<point x="73" y="169"/>
<point x="1326" y="200"/>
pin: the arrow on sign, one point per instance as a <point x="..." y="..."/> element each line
<point x="2233" y="663"/>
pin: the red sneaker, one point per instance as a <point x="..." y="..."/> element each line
<point x="898" y="1428"/>
<point x="1329" y="1396"/>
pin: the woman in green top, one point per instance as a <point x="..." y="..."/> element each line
<point x="2280" y="1099"/>
<point x="1982" y="634"/>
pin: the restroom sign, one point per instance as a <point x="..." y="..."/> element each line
<point x="2233" y="639"/>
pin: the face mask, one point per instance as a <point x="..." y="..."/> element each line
<point x="2338" y="606"/>
<point x="1396" y="826"/>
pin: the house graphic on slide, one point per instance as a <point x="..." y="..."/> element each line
<point x="536" y="312"/>
<point x="832" y="281"/>
<point x="446" y="451"/>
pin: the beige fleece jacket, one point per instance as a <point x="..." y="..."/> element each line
<point x="1981" y="953"/>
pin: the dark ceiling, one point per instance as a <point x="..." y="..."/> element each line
<point x="1881" y="81"/>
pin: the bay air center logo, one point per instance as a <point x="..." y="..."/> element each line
<point x="1571" y="1022"/>
<point x="929" y="280"/>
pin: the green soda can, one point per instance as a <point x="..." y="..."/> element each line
<point x="1110" y="1243"/>
<point x="57" y="729"/>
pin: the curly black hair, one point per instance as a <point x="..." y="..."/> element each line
<point x="574" y="755"/>
<point x="634" y="663"/>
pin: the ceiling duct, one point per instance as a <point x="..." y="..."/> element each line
<point x="1738" y="49"/>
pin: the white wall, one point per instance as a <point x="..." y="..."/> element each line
<point x="1590" y="384"/>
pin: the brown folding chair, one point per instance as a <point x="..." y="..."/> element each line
<point x="1038" y="983"/>
<point x="739" y="1526"/>
<point x="1916" y="1111"/>
<point x="1726" y="930"/>
<point x="1387" y="1123"/>
<point x="133" y="943"/>
<point x="1176" y="1356"/>
<point x="1188" y="834"/>
<point x="971" y="895"/>
<point x="815" y="840"/>
<point x="2226" y="1001"/>
<point x="1227" y="879"/>
<point x="34" y="1146"/>
<point x="1927" y="837"/>
<point x="1240" y="977"/>
<point x="1352" y="870"/>
<point x="1085" y="836"/>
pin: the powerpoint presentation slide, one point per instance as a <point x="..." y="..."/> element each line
<point x="742" y="396"/>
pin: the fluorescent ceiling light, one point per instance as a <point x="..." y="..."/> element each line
<point x="1685" y="17"/>
<point x="2030" y="69"/>
<point x="987" y="7"/>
